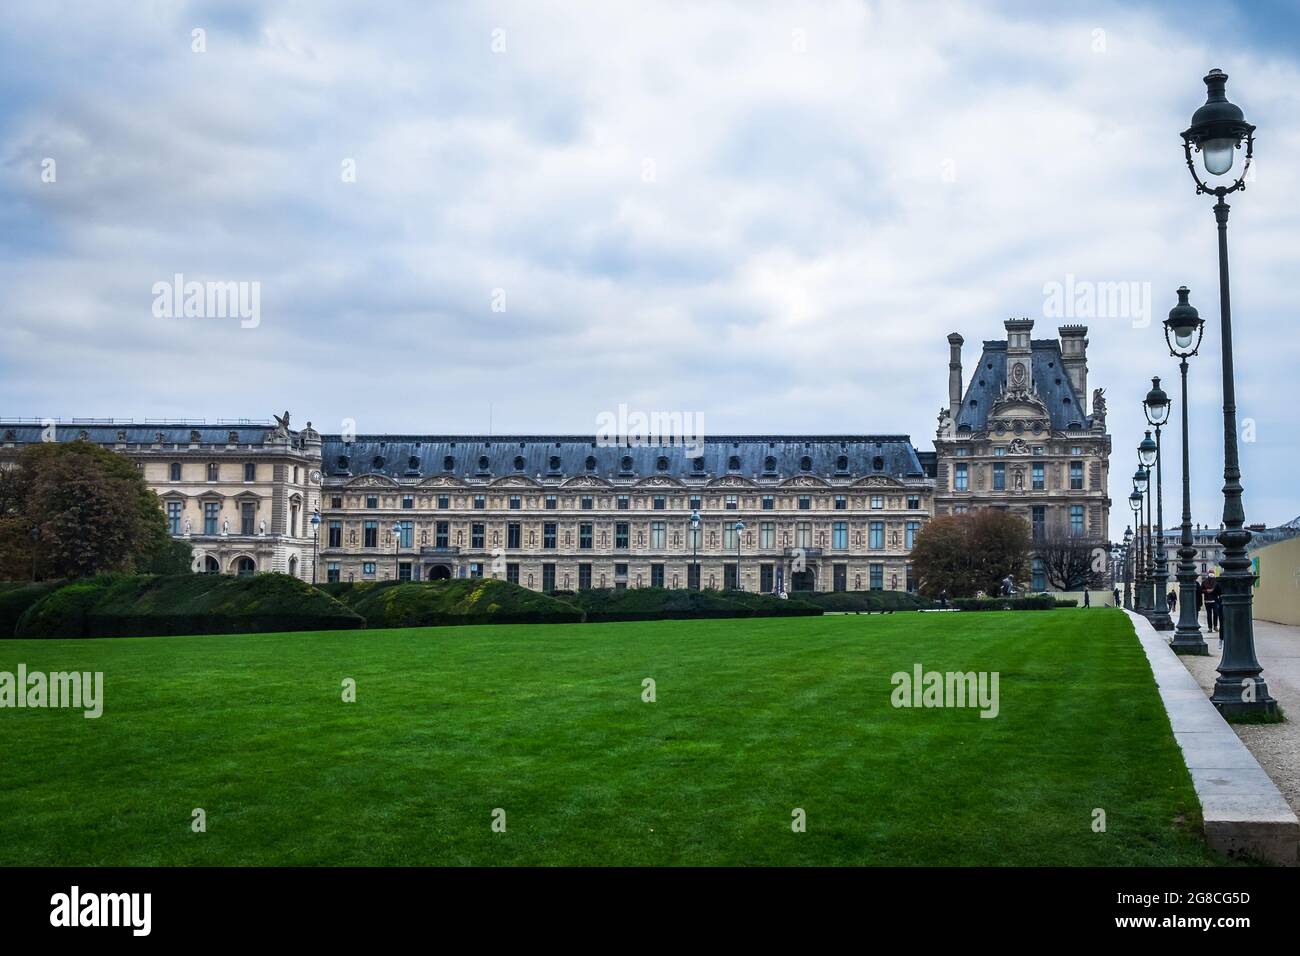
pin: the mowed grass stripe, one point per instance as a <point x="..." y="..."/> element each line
<point x="753" y="718"/>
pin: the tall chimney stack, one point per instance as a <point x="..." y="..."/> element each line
<point x="1074" y="359"/>
<point x="955" y="342"/>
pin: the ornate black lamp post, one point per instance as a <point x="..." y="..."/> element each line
<point x="695" y="546"/>
<point x="1141" y="602"/>
<point x="1156" y="406"/>
<point x="1217" y="131"/>
<point x="397" y="542"/>
<point x="740" y="526"/>
<point x="1183" y="330"/>
<point x="1128" y="577"/>
<point x="35" y="534"/>
<point x="315" y="542"/>
<point x="1135" y="504"/>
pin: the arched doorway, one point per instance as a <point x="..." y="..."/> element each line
<point x="293" y="566"/>
<point x="245" y="567"/>
<point x="210" y="565"/>
<point x="803" y="580"/>
<point x="440" y="572"/>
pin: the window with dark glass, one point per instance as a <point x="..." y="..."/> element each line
<point x="548" y="536"/>
<point x="370" y="534"/>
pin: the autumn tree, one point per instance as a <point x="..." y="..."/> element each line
<point x="1072" y="562"/>
<point x="964" y="554"/>
<point x="91" y="511"/>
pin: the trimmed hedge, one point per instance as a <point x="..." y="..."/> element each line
<point x="457" y="601"/>
<point x="865" y="601"/>
<point x="16" y="597"/>
<point x="661" y="604"/>
<point x="1035" y="602"/>
<point x="150" y="605"/>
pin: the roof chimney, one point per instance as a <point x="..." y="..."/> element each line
<point x="1074" y="359"/>
<point x="955" y="342"/>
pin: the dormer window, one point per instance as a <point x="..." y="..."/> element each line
<point x="555" y="463"/>
<point x="805" y="463"/>
<point x="519" y="462"/>
<point x="413" y="463"/>
<point x="733" y="463"/>
<point x="769" y="463"/>
<point x="626" y="463"/>
<point x="590" y="463"/>
<point x="377" y="462"/>
<point x="661" y="463"/>
<point x="842" y="463"/>
<point x="483" y="462"/>
<point x="448" y="463"/>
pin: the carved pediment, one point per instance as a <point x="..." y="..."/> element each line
<point x="585" y="481"/>
<point x="805" y="481"/>
<point x="731" y="481"/>
<point x="372" y="481"/>
<point x="878" y="481"/>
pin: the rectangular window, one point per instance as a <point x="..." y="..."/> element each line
<point x="692" y="536"/>
<point x="442" y="534"/>
<point x="803" y="534"/>
<point x="516" y="503"/>
<point x="584" y="577"/>
<point x="476" y="536"/>
<point x="250" y="471"/>
<point x="404" y="570"/>
<point x="587" y="503"/>
<point x="408" y="501"/>
<point x="696" y="502"/>
<point x="1076" y="476"/>
<point x="840" y="577"/>
<point x="913" y="502"/>
<point x="1038" y="478"/>
<point x="767" y="535"/>
<point x="247" y="518"/>
<point x="769" y="502"/>
<point x="876" y="539"/>
<point x="841" y="503"/>
<point x="214" y="471"/>
<point x="368" y="569"/>
<point x="512" y="572"/>
<point x="480" y="502"/>
<point x="370" y="534"/>
<point x="731" y="503"/>
<point x="1000" y="451"/>
<point x="961" y="477"/>
<point x="548" y="536"/>
<point x="444" y="502"/>
<point x="513" y="535"/>
<point x="372" y="501"/>
<point x="656" y="575"/>
<point x="999" y="476"/>
<point x="552" y="503"/>
<point x="877" y="577"/>
<point x="1076" y="520"/>
<point x="840" y="536"/>
<point x="910" y="535"/>
<point x="658" y="535"/>
<point x="620" y="535"/>
<point x="175" y="471"/>
<point x="333" y="572"/>
<point x="174" y="516"/>
<point x="1039" y="574"/>
<point x="805" y="502"/>
<point x="660" y="503"/>
<point x="1039" y="521"/>
<point x="624" y="503"/>
<point x="584" y="536"/>
<point x="406" y="534"/>
<point x="548" y="577"/>
<point x="693" y="576"/>
<point x="766" y="578"/>
<point x="729" y="576"/>
<point x="877" y="502"/>
<point x="728" y="536"/>
<point x="334" y="535"/>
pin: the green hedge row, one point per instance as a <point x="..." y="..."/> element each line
<point x="660" y="604"/>
<point x="1035" y="602"/>
<point x="16" y="597"/>
<point x="865" y="601"/>
<point x="149" y="605"/>
<point x="458" y="601"/>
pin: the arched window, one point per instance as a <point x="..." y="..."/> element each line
<point x="805" y="463"/>
<point x="482" y="462"/>
<point x="769" y="463"/>
<point x="697" y="464"/>
<point x="343" y="462"/>
<point x="842" y="463"/>
<point x="661" y="463"/>
<point x="377" y="462"/>
<point x="210" y="565"/>
<point x="591" y="463"/>
<point x="519" y="462"/>
<point x="626" y="463"/>
<point x="733" y="463"/>
<point x="413" y="463"/>
<point x="245" y="566"/>
<point x="877" y="463"/>
<point x="448" y="463"/>
<point x="555" y="463"/>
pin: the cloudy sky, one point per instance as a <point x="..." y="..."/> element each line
<point x="525" y="214"/>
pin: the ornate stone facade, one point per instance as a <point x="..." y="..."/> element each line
<point x="1020" y="437"/>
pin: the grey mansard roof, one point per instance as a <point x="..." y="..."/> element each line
<point x="143" y="433"/>
<point x="406" y="456"/>
<point x="1050" y="380"/>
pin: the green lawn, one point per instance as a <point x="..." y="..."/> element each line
<point x="753" y="719"/>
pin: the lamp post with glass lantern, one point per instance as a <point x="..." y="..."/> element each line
<point x="1156" y="406"/>
<point x="1128" y="568"/>
<point x="739" y="527"/>
<point x="1140" y="602"/>
<point x="315" y="542"/>
<point x="695" y="546"/>
<point x="397" y="542"/>
<point x="1183" y="331"/>
<point x="1217" y="131"/>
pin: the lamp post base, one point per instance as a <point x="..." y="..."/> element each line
<point x="1160" y="620"/>
<point x="1192" y="645"/>
<point x="1238" y="700"/>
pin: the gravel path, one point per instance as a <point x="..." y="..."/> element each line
<point x="1275" y="746"/>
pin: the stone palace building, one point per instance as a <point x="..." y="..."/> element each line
<point x="824" y="512"/>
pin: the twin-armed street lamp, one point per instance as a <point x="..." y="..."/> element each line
<point x="1183" y="331"/>
<point x="1217" y="131"/>
<point x="1156" y="406"/>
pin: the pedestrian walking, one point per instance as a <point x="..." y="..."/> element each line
<point x="1212" y="593"/>
<point x="1172" y="599"/>
<point x="1087" y="600"/>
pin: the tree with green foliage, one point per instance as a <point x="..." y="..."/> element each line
<point x="964" y="554"/>
<point x="74" y="509"/>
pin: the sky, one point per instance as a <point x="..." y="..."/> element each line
<point x="513" y="217"/>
